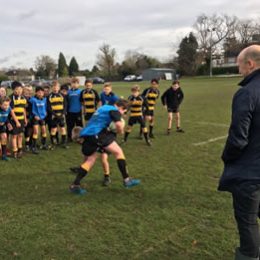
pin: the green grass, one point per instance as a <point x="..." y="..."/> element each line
<point x="176" y="213"/>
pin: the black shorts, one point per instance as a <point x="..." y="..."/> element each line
<point x="40" y="122"/>
<point x="173" y="109"/>
<point x="149" y="112"/>
<point x="87" y="116"/>
<point x="3" y="129"/>
<point x="17" y="130"/>
<point x="136" y="120"/>
<point x="97" y="143"/>
<point x="57" y="121"/>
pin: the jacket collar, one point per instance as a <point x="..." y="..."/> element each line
<point x="249" y="77"/>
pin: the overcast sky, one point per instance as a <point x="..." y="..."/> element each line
<point x="29" y="28"/>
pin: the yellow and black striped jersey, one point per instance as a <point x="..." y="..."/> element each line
<point x="57" y="104"/>
<point x="136" y="105"/>
<point x="89" y="98"/>
<point x="18" y="104"/>
<point x="151" y="94"/>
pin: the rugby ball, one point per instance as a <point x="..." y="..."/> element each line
<point x="112" y="126"/>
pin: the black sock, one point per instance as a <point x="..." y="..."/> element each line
<point x="57" y="137"/>
<point x="146" y="137"/>
<point x="27" y="143"/>
<point x="121" y="163"/>
<point x="3" y="149"/>
<point x="63" y="139"/>
<point x="43" y="140"/>
<point x="151" y="129"/>
<point x="126" y="135"/>
<point x="81" y="174"/>
<point x="19" y="150"/>
<point x="34" y="141"/>
<point x="53" y="137"/>
<point x="141" y="131"/>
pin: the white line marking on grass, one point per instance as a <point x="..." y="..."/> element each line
<point x="211" y="140"/>
<point x="213" y="124"/>
<point x="207" y="123"/>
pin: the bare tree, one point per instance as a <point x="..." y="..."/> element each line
<point x="45" y="66"/>
<point x="106" y="60"/>
<point x="246" y="29"/>
<point x="212" y="30"/>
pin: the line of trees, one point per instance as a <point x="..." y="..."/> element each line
<point x="214" y="35"/>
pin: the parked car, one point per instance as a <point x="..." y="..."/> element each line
<point x="139" y="78"/>
<point x="97" y="80"/>
<point x="39" y="83"/>
<point x="130" y="78"/>
<point x="6" y="83"/>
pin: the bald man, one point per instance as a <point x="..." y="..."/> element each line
<point x="241" y="155"/>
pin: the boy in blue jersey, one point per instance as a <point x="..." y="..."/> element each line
<point x="38" y="115"/>
<point x="5" y="113"/>
<point x="74" y="115"/>
<point x="96" y="137"/>
<point x="107" y="97"/>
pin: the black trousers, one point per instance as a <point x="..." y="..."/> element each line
<point x="246" y="201"/>
<point x="73" y="119"/>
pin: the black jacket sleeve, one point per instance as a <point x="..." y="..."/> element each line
<point x="163" y="98"/>
<point x="180" y="96"/>
<point x="242" y="111"/>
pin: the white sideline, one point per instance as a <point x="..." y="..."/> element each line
<point x="213" y="124"/>
<point x="211" y="140"/>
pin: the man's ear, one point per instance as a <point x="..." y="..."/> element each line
<point x="251" y="64"/>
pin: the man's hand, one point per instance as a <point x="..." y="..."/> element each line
<point x="18" y="124"/>
<point x="37" y="118"/>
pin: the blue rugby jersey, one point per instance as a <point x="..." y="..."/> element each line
<point x="74" y="104"/>
<point x="4" y="114"/>
<point x="108" y="99"/>
<point x="100" y="120"/>
<point x="39" y="107"/>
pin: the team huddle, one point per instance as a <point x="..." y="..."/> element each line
<point x="63" y="110"/>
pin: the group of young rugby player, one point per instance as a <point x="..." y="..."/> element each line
<point x="61" y="109"/>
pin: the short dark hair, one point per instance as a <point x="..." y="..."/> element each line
<point x="16" y="84"/>
<point x="88" y="81"/>
<point x="122" y="103"/>
<point x="155" y="80"/>
<point x="64" y="87"/>
<point x="39" y="88"/>
<point x="176" y="82"/>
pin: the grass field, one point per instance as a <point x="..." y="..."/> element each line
<point x="176" y="213"/>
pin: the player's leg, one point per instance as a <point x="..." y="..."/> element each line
<point x="3" y="145"/>
<point x="151" y="126"/>
<point x="170" y="117"/>
<point x="14" y="145"/>
<point x="20" y="144"/>
<point x="70" y="125"/>
<point x="44" y="136"/>
<point x="35" y="137"/>
<point x="78" y="120"/>
<point x="106" y="168"/>
<point x="117" y="151"/>
<point x="63" y="136"/>
<point x="144" y="130"/>
<point x="178" y="122"/>
<point x="81" y="173"/>
<point x="128" y="129"/>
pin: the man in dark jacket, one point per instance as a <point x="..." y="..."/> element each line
<point x="172" y="99"/>
<point x="241" y="154"/>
